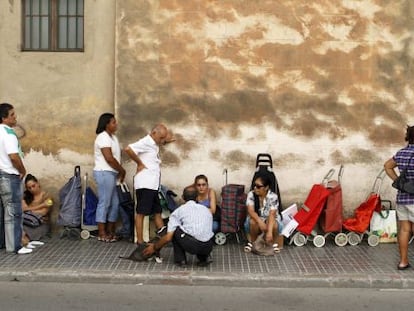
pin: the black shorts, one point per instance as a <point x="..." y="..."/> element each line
<point x="148" y="202"/>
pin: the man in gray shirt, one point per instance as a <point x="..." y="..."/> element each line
<point x="189" y="229"/>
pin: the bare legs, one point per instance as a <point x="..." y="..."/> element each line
<point x="139" y="225"/>
<point x="404" y="236"/>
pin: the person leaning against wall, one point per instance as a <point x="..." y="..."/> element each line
<point x="39" y="203"/>
<point x="402" y="160"/>
<point x="106" y="172"/>
<point x="12" y="171"/>
<point x="145" y="153"/>
<point x="207" y="196"/>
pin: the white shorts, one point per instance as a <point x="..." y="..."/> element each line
<point x="405" y="212"/>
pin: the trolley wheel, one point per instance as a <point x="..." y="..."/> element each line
<point x="373" y="240"/>
<point x="341" y="239"/>
<point x="299" y="239"/>
<point x="220" y="238"/>
<point x="319" y="240"/>
<point x="353" y="238"/>
<point x="85" y="234"/>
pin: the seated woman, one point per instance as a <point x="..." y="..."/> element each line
<point x="38" y="203"/>
<point x="263" y="217"/>
<point x="207" y="196"/>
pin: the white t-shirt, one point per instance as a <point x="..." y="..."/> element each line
<point x="148" y="151"/>
<point x="9" y="144"/>
<point x="104" y="140"/>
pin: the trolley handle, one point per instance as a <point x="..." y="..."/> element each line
<point x="340" y="173"/>
<point x="225" y="173"/>
<point x="376" y="187"/>
<point x="387" y="206"/>
<point x="328" y="176"/>
<point x="76" y="171"/>
<point x="265" y="159"/>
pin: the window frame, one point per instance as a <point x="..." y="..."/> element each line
<point x="53" y="29"/>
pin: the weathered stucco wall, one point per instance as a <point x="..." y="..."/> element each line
<point x="58" y="96"/>
<point x="315" y="83"/>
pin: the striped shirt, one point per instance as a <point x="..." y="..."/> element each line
<point x="194" y="219"/>
<point x="404" y="159"/>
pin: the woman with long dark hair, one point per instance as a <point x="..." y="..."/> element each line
<point x="262" y="209"/>
<point x="106" y="172"/>
<point x="38" y="203"/>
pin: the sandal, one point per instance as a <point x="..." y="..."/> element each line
<point x="103" y="239"/>
<point x="113" y="238"/>
<point x="276" y="248"/>
<point x="248" y="247"/>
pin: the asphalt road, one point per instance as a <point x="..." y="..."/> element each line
<point x="71" y="296"/>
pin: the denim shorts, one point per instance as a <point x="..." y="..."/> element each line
<point x="247" y="225"/>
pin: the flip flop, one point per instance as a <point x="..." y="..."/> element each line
<point x="404" y="267"/>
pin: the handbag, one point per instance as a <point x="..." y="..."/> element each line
<point x="384" y="225"/>
<point x="125" y="198"/>
<point x="31" y="219"/>
<point x="402" y="183"/>
<point x="261" y="248"/>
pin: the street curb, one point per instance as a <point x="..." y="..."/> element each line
<point x="191" y="278"/>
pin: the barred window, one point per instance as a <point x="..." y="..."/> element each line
<point x="53" y="25"/>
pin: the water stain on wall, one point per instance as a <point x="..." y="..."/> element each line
<point x="307" y="69"/>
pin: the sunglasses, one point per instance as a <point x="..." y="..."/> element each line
<point x="258" y="186"/>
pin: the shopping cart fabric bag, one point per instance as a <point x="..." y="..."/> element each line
<point x="384" y="225"/>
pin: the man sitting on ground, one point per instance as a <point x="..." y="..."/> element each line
<point x="189" y="229"/>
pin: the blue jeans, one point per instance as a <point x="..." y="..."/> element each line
<point x="107" y="209"/>
<point x="11" y="214"/>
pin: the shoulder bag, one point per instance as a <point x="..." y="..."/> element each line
<point x="402" y="183"/>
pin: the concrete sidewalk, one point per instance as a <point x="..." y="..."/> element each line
<point x="92" y="261"/>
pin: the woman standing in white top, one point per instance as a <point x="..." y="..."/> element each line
<point x="106" y="172"/>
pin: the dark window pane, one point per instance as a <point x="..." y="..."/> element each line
<point x="80" y="33"/>
<point x="45" y="33"/>
<point x="35" y="33"/>
<point x="72" y="7"/>
<point x="80" y="7"/>
<point x="72" y="33"/>
<point x="62" y="33"/>
<point x="45" y="7"/>
<point x="27" y="7"/>
<point x="63" y="7"/>
<point x="27" y="33"/>
<point x="35" y="7"/>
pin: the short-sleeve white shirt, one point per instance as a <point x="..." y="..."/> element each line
<point x="104" y="140"/>
<point x="148" y="151"/>
<point x="9" y="144"/>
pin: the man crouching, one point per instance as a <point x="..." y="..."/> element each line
<point x="190" y="229"/>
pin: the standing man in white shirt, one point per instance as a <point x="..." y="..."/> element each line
<point x="12" y="171"/>
<point x="145" y="153"/>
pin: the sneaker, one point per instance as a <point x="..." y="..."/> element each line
<point x="203" y="263"/>
<point x="37" y="243"/>
<point x="31" y="246"/>
<point x="181" y="264"/>
<point x="24" y="250"/>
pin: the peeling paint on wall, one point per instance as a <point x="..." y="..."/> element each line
<point x="333" y="78"/>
